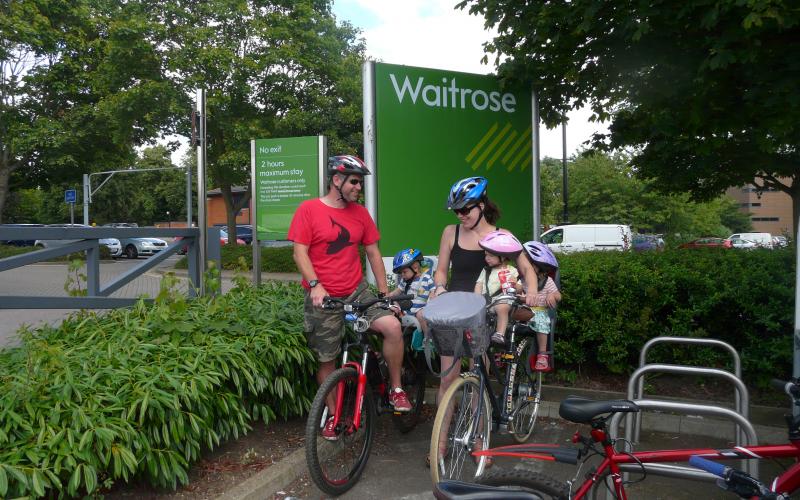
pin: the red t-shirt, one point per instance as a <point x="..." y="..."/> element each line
<point x="333" y="236"/>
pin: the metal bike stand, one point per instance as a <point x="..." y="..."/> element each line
<point x="685" y="472"/>
<point x="737" y="370"/>
<point x="742" y="398"/>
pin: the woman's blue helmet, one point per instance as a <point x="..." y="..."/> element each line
<point x="466" y="191"/>
<point x="404" y="258"/>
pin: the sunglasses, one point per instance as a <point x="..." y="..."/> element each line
<point x="356" y="182"/>
<point x="464" y="211"/>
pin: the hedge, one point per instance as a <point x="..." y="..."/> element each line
<point x="615" y="302"/>
<point x="273" y="259"/>
<point x="141" y="391"/>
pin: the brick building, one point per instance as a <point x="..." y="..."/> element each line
<point x="215" y="206"/>
<point x="770" y="212"/>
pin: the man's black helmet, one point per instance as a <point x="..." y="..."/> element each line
<point x="347" y="164"/>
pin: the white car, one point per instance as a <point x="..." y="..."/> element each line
<point x="113" y="245"/>
<point x="743" y="244"/>
<point x="134" y="247"/>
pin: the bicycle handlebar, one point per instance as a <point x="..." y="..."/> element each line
<point x="789" y="387"/>
<point x="328" y="302"/>
<point x="734" y="480"/>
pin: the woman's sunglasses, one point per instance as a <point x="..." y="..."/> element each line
<point x="464" y="211"/>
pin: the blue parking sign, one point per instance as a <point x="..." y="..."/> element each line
<point x="70" y="196"/>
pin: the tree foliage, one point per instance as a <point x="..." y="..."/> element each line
<point x="271" y="69"/>
<point x="604" y="189"/>
<point x="706" y="92"/>
<point x="82" y="86"/>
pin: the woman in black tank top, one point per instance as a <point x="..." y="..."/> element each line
<point x="466" y="266"/>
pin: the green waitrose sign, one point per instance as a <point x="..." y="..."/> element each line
<point x="434" y="127"/>
<point x="286" y="173"/>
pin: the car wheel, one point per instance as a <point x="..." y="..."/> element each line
<point x="131" y="252"/>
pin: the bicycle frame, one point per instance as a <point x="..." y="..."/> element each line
<point x="788" y="482"/>
<point x="361" y="370"/>
<point x="504" y="413"/>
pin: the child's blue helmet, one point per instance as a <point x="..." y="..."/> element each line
<point x="466" y="191"/>
<point x="404" y="258"/>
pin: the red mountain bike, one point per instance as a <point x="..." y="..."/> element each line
<point x="353" y="395"/>
<point x="608" y="475"/>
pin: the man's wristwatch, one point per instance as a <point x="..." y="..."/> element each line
<point x="313" y="283"/>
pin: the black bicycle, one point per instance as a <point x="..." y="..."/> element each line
<point x="353" y="395"/>
<point x="470" y="408"/>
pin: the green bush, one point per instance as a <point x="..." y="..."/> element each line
<point x="140" y="391"/>
<point x="615" y="302"/>
<point x="10" y="250"/>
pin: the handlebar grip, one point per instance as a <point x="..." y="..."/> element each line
<point x="403" y="296"/>
<point x="707" y="465"/>
<point x="789" y="387"/>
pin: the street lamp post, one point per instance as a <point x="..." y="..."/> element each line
<point x="169" y="220"/>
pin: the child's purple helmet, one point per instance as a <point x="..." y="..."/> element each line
<point x="541" y="255"/>
<point x="501" y="243"/>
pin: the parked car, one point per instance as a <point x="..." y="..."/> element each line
<point x="244" y="232"/>
<point x="642" y="242"/>
<point x="761" y="239"/>
<point x="580" y="237"/>
<point x="708" y="243"/>
<point x="743" y="244"/>
<point x="134" y="247"/>
<point x="780" y="241"/>
<point x="19" y="243"/>
<point x="223" y="240"/>
<point x="112" y="244"/>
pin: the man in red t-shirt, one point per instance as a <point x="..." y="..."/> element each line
<point x="327" y="232"/>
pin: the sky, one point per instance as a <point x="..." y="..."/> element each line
<point x="433" y="34"/>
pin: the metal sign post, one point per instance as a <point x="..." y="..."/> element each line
<point x="71" y="196"/>
<point x="201" y="187"/>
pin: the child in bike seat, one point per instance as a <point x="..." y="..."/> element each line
<point x="499" y="277"/>
<point x="547" y="296"/>
<point x="416" y="278"/>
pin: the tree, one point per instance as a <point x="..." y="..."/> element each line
<point x="271" y="69"/>
<point x="603" y="189"/>
<point x="80" y="87"/>
<point x="706" y="92"/>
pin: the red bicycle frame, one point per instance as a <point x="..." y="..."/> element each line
<point x="787" y="482"/>
<point x="360" y="391"/>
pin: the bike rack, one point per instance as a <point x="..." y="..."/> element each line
<point x="685" y="472"/>
<point x="742" y="396"/>
<point x="737" y="370"/>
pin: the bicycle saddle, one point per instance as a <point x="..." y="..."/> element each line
<point x="470" y="491"/>
<point x="583" y="411"/>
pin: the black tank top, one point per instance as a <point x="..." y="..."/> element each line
<point x="465" y="267"/>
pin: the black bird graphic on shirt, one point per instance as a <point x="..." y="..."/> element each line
<point x="342" y="240"/>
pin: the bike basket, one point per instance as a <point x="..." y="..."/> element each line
<point x="456" y="319"/>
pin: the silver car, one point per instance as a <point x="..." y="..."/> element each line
<point x="134" y="247"/>
<point x="112" y="244"/>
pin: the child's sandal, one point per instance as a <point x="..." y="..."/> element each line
<point x="542" y="363"/>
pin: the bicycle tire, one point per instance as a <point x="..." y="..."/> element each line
<point x="336" y="466"/>
<point x="412" y="378"/>
<point x="454" y="421"/>
<point x="527" y="395"/>
<point x="526" y="480"/>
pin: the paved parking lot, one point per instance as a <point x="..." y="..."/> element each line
<point x="49" y="279"/>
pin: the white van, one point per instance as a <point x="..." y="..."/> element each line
<point x="763" y="240"/>
<point x="582" y="237"/>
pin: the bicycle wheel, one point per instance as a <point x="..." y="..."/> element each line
<point x="526" y="480"/>
<point x="412" y="379"/>
<point x="527" y="395"/>
<point x="336" y="465"/>
<point x="460" y="432"/>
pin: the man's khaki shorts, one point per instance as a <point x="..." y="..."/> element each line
<point x="324" y="328"/>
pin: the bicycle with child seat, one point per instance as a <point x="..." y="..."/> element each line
<point x="461" y="422"/>
<point x="530" y="484"/>
<point x="353" y="395"/>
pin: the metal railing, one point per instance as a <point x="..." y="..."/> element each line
<point x="85" y="239"/>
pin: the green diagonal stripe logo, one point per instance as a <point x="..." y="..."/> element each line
<point x="504" y="144"/>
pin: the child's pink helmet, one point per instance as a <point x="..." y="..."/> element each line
<point x="501" y="243"/>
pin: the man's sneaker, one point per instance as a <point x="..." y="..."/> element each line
<point x="399" y="400"/>
<point x="329" y="432"/>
